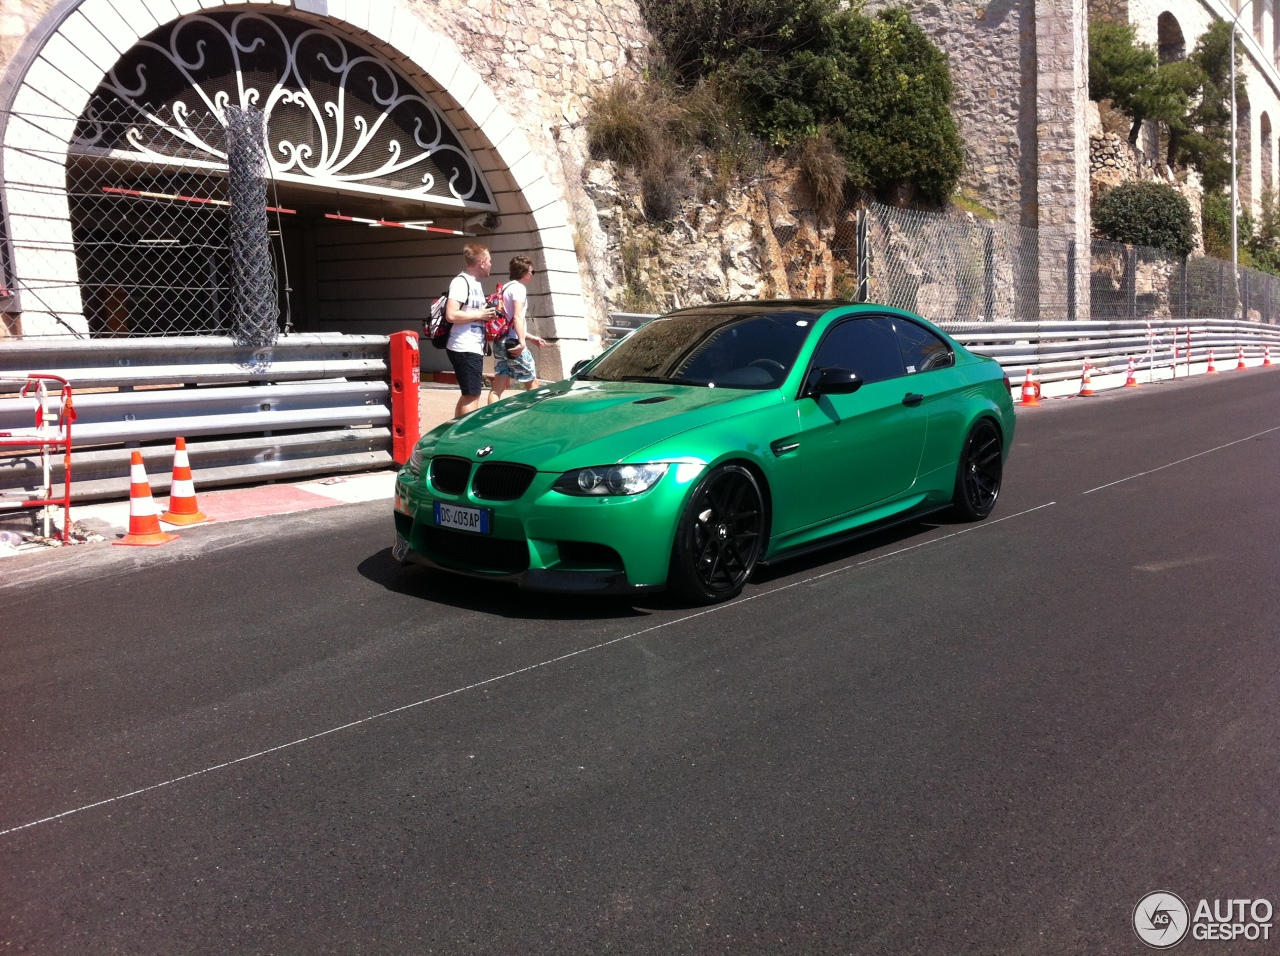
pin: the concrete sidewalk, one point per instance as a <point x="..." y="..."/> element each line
<point x="436" y="403"/>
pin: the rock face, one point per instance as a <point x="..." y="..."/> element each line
<point x="758" y="238"/>
<point x="1113" y="161"/>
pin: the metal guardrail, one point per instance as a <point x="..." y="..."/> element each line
<point x="204" y="360"/>
<point x="1057" y="350"/>
<point x="310" y="404"/>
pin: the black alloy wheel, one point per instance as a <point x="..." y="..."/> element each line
<point x="720" y="536"/>
<point x="980" y="472"/>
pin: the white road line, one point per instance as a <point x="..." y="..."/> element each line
<point x="1181" y="460"/>
<point x="514" y="673"/>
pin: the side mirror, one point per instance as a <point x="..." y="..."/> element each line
<point x="578" y="366"/>
<point x="830" y="381"/>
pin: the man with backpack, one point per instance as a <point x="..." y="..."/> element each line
<point x="512" y="358"/>
<point x="467" y="313"/>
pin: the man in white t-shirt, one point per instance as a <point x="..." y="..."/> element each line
<point x="511" y="356"/>
<point x="468" y="313"/>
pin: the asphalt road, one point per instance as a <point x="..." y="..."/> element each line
<point x="991" y="738"/>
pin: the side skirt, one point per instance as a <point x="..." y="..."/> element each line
<point x="853" y="535"/>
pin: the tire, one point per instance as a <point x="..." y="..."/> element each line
<point x="720" y="536"/>
<point x="980" y="471"/>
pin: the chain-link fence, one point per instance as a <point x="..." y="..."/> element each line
<point x="124" y="229"/>
<point x="1136" y="282"/>
<point x="960" y="269"/>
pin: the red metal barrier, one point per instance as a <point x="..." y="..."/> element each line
<point x="406" y="372"/>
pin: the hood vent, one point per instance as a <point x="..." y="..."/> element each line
<point x="653" y="401"/>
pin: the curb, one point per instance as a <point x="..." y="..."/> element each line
<point x="449" y="378"/>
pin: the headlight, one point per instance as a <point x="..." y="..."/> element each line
<point x="610" y="479"/>
<point x="415" y="461"/>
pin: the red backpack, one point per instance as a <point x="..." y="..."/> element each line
<point x="497" y="327"/>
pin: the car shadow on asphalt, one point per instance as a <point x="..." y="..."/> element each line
<point x="490" y="597"/>
<point x="832" y="557"/>
<point x="505" y="600"/>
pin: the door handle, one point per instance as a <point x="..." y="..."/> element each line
<point x="784" y="445"/>
<point x="912" y="399"/>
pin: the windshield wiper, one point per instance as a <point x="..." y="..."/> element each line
<point x="643" y="378"/>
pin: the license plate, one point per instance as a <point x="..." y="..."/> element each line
<point x="464" y="519"/>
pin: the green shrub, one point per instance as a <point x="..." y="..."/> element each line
<point x="1146" y="214"/>
<point x="1215" y="220"/>
<point x="699" y="37"/>
<point x="1264" y="243"/>
<point x="876" y="84"/>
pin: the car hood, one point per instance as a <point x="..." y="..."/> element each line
<point x="575" y="424"/>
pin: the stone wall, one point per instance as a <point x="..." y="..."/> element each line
<point x="991" y="55"/>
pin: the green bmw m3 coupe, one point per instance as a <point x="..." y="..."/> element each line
<point x="709" y="441"/>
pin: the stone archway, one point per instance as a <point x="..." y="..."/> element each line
<point x="80" y="41"/>
<point x="1172" y="44"/>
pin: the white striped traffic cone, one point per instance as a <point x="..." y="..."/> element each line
<point x="144" y="524"/>
<point x="1030" y="391"/>
<point x="182" y="493"/>
<point x="1132" y="380"/>
<point x="1240" y="361"/>
<point x="1212" y="369"/>
<point x="1266" y="355"/>
<point x="1086" y="383"/>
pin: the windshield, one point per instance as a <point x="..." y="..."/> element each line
<point x="751" y="348"/>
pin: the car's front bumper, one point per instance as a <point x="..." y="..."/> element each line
<point x="535" y="579"/>
<point x="547" y="541"/>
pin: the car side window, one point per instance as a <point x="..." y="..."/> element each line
<point x="867" y="346"/>
<point x="922" y="351"/>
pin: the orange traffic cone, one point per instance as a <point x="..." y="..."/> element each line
<point x="1211" y="370"/>
<point x="1030" y="391"/>
<point x="144" y="526"/>
<point x="1086" y="382"/>
<point x="1240" y="362"/>
<point x="1266" y="355"/>
<point x="182" y="493"/>
<point x="1132" y="380"/>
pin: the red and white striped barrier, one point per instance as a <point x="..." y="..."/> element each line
<point x="398" y="225"/>
<point x="174" y="197"/>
